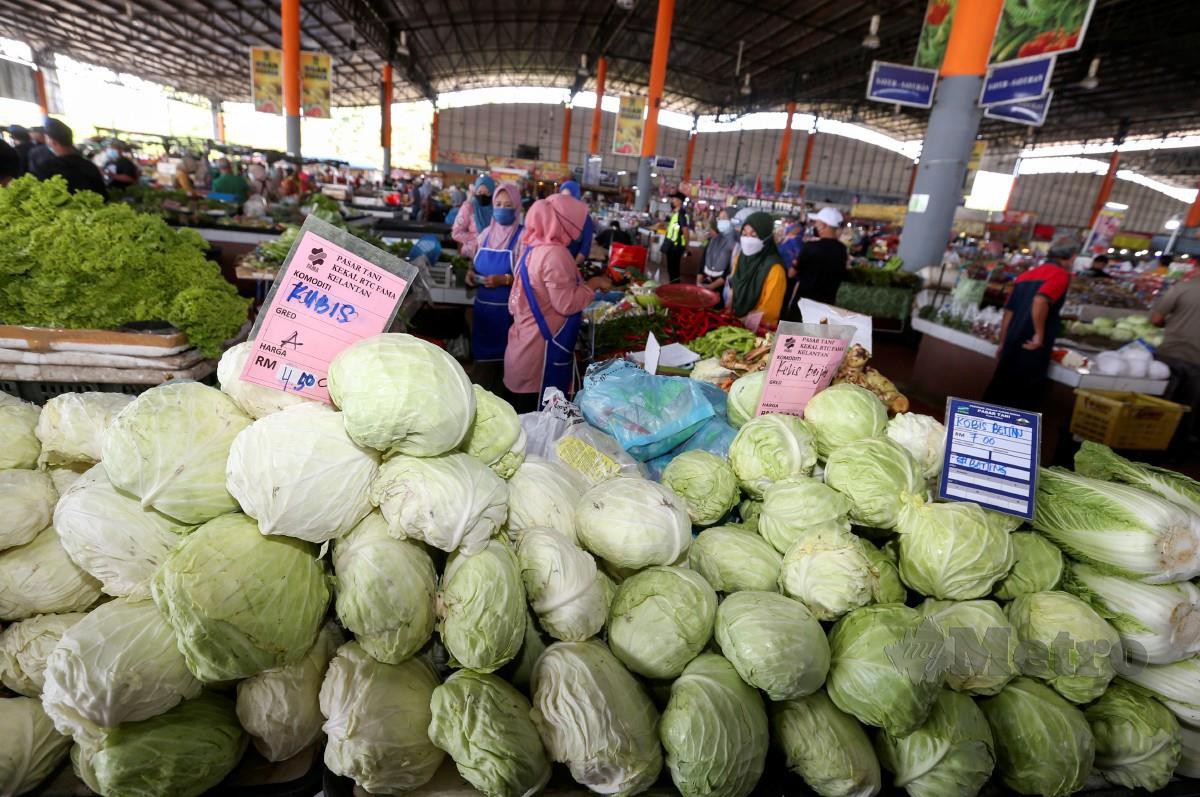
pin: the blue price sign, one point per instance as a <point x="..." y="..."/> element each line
<point x="901" y="85"/>
<point x="991" y="456"/>
<point x="1017" y="81"/>
<point x="1032" y="113"/>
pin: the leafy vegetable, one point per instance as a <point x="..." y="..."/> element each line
<point x="950" y="551"/>
<point x="72" y="425"/>
<point x="542" y="493"/>
<point x="660" y="620"/>
<point x="1066" y="644"/>
<point x="24" y="647"/>
<point x="842" y="414"/>
<point x="27" y="499"/>
<point x="744" y="395"/>
<point x="1037" y="567"/>
<point x="39" y="750"/>
<point x="562" y="585"/>
<point x="1176" y="685"/>
<point x="1137" y="738"/>
<point x="1098" y="461"/>
<point x="633" y="523"/>
<point x="705" y="482"/>
<point x="828" y="570"/>
<point x="254" y="400"/>
<point x="888" y="586"/>
<point x="732" y="559"/>
<point x="949" y="756"/>
<point x="774" y="643"/>
<point x="482" y="607"/>
<point x="877" y="475"/>
<point x="39" y="578"/>
<point x="922" y="436"/>
<point x="826" y="747"/>
<point x="771" y="448"/>
<point x="19" y="445"/>
<point x="792" y="507"/>
<point x="980" y="644"/>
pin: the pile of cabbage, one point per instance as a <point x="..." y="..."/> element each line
<point x="397" y="582"/>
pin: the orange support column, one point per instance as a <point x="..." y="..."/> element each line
<point x="1106" y="187"/>
<point x="1193" y="214"/>
<point x="289" y="20"/>
<point x="39" y="85"/>
<point x="601" y="73"/>
<point x="912" y="180"/>
<point x="691" y="156"/>
<point x="658" y="79"/>
<point x="809" y="140"/>
<point x="566" y="138"/>
<point x="385" y="120"/>
<point x="784" y="146"/>
<point x="433" y="140"/>
<point x="971" y="35"/>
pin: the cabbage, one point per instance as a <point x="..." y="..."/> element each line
<point x="401" y="395"/>
<point x="888" y="586"/>
<point x="24" y="647"/>
<point x="732" y="559"/>
<point x="842" y="414"/>
<point x="1158" y="624"/>
<point x="19" y="446"/>
<point x="182" y="753"/>
<point x="876" y="475"/>
<point x="774" y="643"/>
<point x="496" y="438"/>
<point x="1127" y="531"/>
<point x="280" y="708"/>
<point x="880" y="667"/>
<point x="1002" y="521"/>
<point x="794" y="506"/>
<point x="951" y="551"/>
<point x="386" y="590"/>
<point x="255" y="400"/>
<point x="825" y="747"/>
<point x="1104" y="323"/>
<point x="483" y="607"/>
<point x="169" y="448"/>
<point x="980" y="647"/>
<point x="922" y="436"/>
<point x="705" y="482"/>
<point x="519" y="671"/>
<point x="744" y="395"/>
<point x="749" y="510"/>
<point x="714" y="731"/>
<point x="63" y="478"/>
<point x="32" y="747"/>
<point x="27" y="499"/>
<point x="1065" y="643"/>
<point x="112" y="537"/>
<point x="377" y="718"/>
<point x="561" y="584"/>
<point x="72" y="426"/>
<point x="543" y="494"/>
<point x="771" y="448"/>
<point x="1189" y="760"/>
<point x="452" y="502"/>
<point x="1038" y="566"/>
<point x="661" y="619"/>
<point x="1043" y="743"/>
<point x="633" y="523"/>
<point x="595" y="717"/>
<point x="118" y="664"/>
<point x="1101" y="462"/>
<point x="39" y="578"/>
<point x="949" y="756"/>
<point x="1176" y="685"/>
<point x="829" y="571"/>
<point x="484" y="724"/>
<point x="1137" y="738"/>
<point x="240" y="602"/>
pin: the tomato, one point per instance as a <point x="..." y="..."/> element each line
<point x="937" y="13"/>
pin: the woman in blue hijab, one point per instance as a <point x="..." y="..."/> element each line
<point x="474" y="216"/>
<point x="581" y="247"/>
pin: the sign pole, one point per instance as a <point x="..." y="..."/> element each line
<point x="658" y="79"/>
<point x="289" y="17"/>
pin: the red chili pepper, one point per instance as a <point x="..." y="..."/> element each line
<point x="937" y="13"/>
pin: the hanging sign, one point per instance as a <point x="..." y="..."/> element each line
<point x="266" y="79"/>
<point x="627" y="135"/>
<point x="316" y="85"/>
<point x="333" y="290"/>
<point x="898" y="84"/>
<point x="991" y="456"/>
<point x="1017" y="81"/>
<point x="804" y="360"/>
<point x="1103" y="233"/>
<point x="1028" y="112"/>
<point x="1040" y="27"/>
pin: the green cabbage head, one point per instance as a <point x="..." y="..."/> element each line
<point x="714" y="730"/>
<point x="71" y="426"/>
<point x="169" y="448"/>
<point x="387" y="590"/>
<point x="706" y="482"/>
<point x="24" y="647"/>
<point x="876" y="475"/>
<point x="923" y="436"/>
<point x="596" y="718"/>
<point x="1138" y="741"/>
<point x="482" y="605"/>
<point x="888" y="587"/>
<point x="1038" y="566"/>
<point x="19" y="445"/>
<point x="951" y="755"/>
<point x="633" y="523"/>
<point x="27" y="499"/>
<point x="774" y="643"/>
<point x="484" y="724"/>
<point x="744" y="395"/>
<point x="661" y="619"/>
<point x="40" y="578"/>
<point x="771" y="448"/>
<point x="1043" y="744"/>
<point x="543" y="494"/>
<point x="749" y="510"/>
<point x="950" y="551"/>
<point x="825" y="746"/>
<point x="732" y="559"/>
<point x="794" y="506"/>
<point x="32" y="748"/>
<point x="562" y="586"/>
<point x="981" y="645"/>
<point x="496" y="438"/>
<point x="240" y="602"/>
<point x="1065" y="643"/>
<point x="255" y="400"/>
<point x="829" y="571"/>
<point x="842" y="414"/>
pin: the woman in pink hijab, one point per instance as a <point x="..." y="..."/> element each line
<point x="498" y="249"/>
<point x="546" y="303"/>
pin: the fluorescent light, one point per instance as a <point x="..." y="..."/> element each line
<point x="1124" y="251"/>
<point x="1111" y="250"/>
<point x="1158" y="253"/>
<point x="1116" y="206"/>
<point x="990" y="191"/>
<point x="1172" y="224"/>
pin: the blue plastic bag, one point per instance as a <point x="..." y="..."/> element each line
<point x="648" y="415"/>
<point x="713" y="436"/>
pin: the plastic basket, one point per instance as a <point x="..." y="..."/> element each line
<point x="1121" y="419"/>
<point x="442" y="275"/>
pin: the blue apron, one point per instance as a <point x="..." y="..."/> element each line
<point x="491" y="319"/>
<point x="558" y="364"/>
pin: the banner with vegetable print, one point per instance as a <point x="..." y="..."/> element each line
<point x="1027" y="28"/>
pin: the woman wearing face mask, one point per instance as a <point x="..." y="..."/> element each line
<point x="474" y="216"/>
<point x="546" y="303"/>
<point x="718" y="253"/>
<point x="759" y="281"/>
<point x="581" y="247"/>
<point x="498" y="248"/>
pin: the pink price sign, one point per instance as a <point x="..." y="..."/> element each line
<point x="326" y="299"/>
<point x="800" y="367"/>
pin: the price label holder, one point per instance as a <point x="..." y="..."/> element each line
<point x="653" y="352"/>
<point x="804" y="360"/>
<point x="332" y="290"/>
<point x="991" y="456"/>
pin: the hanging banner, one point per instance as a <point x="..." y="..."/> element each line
<point x="1019" y="81"/>
<point x="266" y="79"/>
<point x="316" y="85"/>
<point x="1026" y="28"/>
<point x="935" y="33"/>
<point x="1105" y="230"/>
<point x="627" y="135"/>
<point x="1030" y="112"/>
<point x="901" y="85"/>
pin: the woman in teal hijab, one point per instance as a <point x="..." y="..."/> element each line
<point x="759" y="280"/>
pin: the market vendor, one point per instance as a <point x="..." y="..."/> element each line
<point x="498" y="248"/>
<point x="546" y="303"/>
<point x="758" y="281"/>
<point x="474" y="216"/>
<point x="1028" y="330"/>
<point x="718" y="253"/>
<point x="821" y="265"/>
<point x="581" y="247"/>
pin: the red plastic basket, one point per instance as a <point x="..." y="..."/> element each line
<point x="686" y="297"/>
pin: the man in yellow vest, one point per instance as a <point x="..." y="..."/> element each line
<point x="675" y="242"/>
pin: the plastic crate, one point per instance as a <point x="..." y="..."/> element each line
<point x="1126" y="420"/>
<point x="442" y="275"/>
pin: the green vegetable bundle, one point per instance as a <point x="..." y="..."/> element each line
<point x="714" y="343"/>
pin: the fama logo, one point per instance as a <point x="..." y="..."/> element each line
<point x="317" y="256"/>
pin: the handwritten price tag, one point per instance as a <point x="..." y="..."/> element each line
<point x="800" y="367"/>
